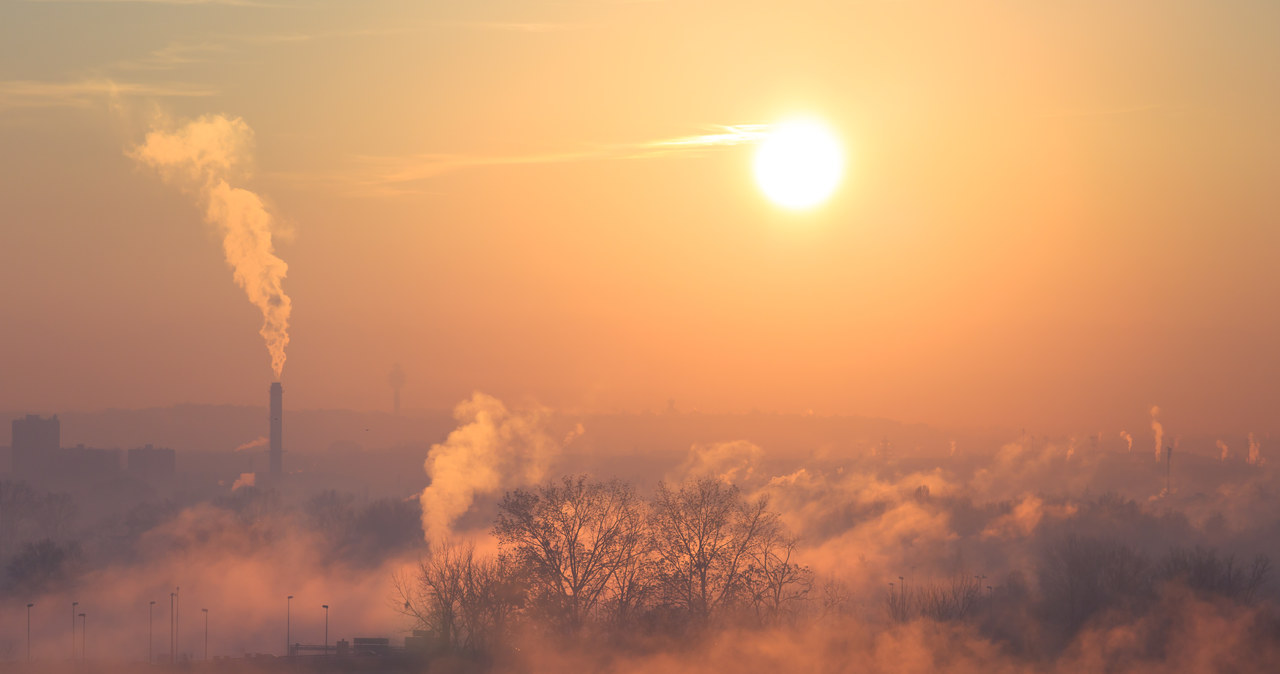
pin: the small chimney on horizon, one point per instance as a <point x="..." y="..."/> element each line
<point x="276" y="452"/>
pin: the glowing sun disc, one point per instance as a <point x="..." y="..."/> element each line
<point x="799" y="164"/>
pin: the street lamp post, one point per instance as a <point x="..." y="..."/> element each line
<point x="151" y="611"/>
<point x="29" y="631"/>
<point x="326" y="627"/>
<point x="288" y="606"/>
<point x="206" y="633"/>
<point x="84" y="642"/>
<point x="74" y="604"/>
<point x="171" y="649"/>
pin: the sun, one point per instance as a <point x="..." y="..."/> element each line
<point x="799" y="164"/>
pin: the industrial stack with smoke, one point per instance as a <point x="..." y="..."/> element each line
<point x="276" y="450"/>
<point x="203" y="156"/>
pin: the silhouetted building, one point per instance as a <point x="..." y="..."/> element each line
<point x="276" y="451"/>
<point x="151" y="462"/>
<point x="35" y="441"/>
<point x="375" y="646"/>
<point x="36" y="453"/>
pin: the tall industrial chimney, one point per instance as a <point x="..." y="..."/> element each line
<point x="276" y="452"/>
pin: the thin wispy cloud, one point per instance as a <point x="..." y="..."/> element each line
<point x="220" y="47"/>
<point x="382" y="176"/>
<point x="171" y="56"/>
<point x="85" y="93"/>
<point x="1102" y="112"/>
<point x="233" y="3"/>
<point x="509" y="26"/>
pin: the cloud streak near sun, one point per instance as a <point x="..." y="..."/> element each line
<point x="397" y="175"/>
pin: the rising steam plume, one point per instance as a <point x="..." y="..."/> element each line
<point x="1255" y="452"/>
<point x="204" y="156"/>
<point x="1157" y="429"/>
<point x="1128" y="439"/>
<point x="493" y="448"/>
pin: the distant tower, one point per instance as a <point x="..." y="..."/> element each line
<point x="35" y="441"/>
<point x="276" y="452"/>
<point x="396" y="378"/>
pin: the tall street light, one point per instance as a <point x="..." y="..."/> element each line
<point x="84" y="644"/>
<point x="171" y="649"/>
<point x="29" y="631"/>
<point x="206" y="633"/>
<point x="288" y="606"/>
<point x="326" y="627"/>
<point x="74" y="604"/>
<point x="151" y="611"/>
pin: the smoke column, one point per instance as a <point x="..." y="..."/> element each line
<point x="1222" y="448"/>
<point x="1255" y="451"/>
<point x="1157" y="428"/>
<point x="202" y="156"/>
<point x="1128" y="440"/>
<point x="493" y="448"/>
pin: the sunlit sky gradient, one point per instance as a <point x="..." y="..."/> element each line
<point x="1054" y="214"/>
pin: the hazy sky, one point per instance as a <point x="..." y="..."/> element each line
<point x="1055" y="214"/>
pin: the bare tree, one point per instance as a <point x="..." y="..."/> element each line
<point x="1081" y="576"/>
<point x="776" y="582"/>
<point x="958" y="600"/>
<point x="1203" y="570"/>
<point x="579" y="542"/>
<point x="837" y="599"/>
<point x="704" y="534"/>
<point x="466" y="603"/>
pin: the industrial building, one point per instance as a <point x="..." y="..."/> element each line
<point x="37" y="454"/>
<point x="34" y="439"/>
<point x="151" y="462"/>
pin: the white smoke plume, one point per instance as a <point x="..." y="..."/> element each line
<point x="733" y="462"/>
<point x="245" y="480"/>
<point x="1222" y="449"/>
<point x="573" y="434"/>
<point x="1157" y="429"/>
<point x="204" y="155"/>
<point x="492" y="448"/>
<point x="1128" y="440"/>
<point x="1255" y="452"/>
<point x="259" y="442"/>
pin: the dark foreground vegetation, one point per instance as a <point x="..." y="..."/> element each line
<point x="588" y="571"/>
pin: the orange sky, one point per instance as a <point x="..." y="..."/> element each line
<point x="1055" y="214"/>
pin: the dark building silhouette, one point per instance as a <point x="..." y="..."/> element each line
<point x="151" y="462"/>
<point x="276" y="450"/>
<point x="37" y="455"/>
<point x="35" y="441"/>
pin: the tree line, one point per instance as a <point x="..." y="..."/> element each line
<point x="588" y="555"/>
<point x="581" y="557"/>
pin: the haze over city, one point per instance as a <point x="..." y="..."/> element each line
<point x="955" y="324"/>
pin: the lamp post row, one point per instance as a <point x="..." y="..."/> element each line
<point x="173" y="628"/>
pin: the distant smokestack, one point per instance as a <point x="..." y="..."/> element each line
<point x="276" y="452"/>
